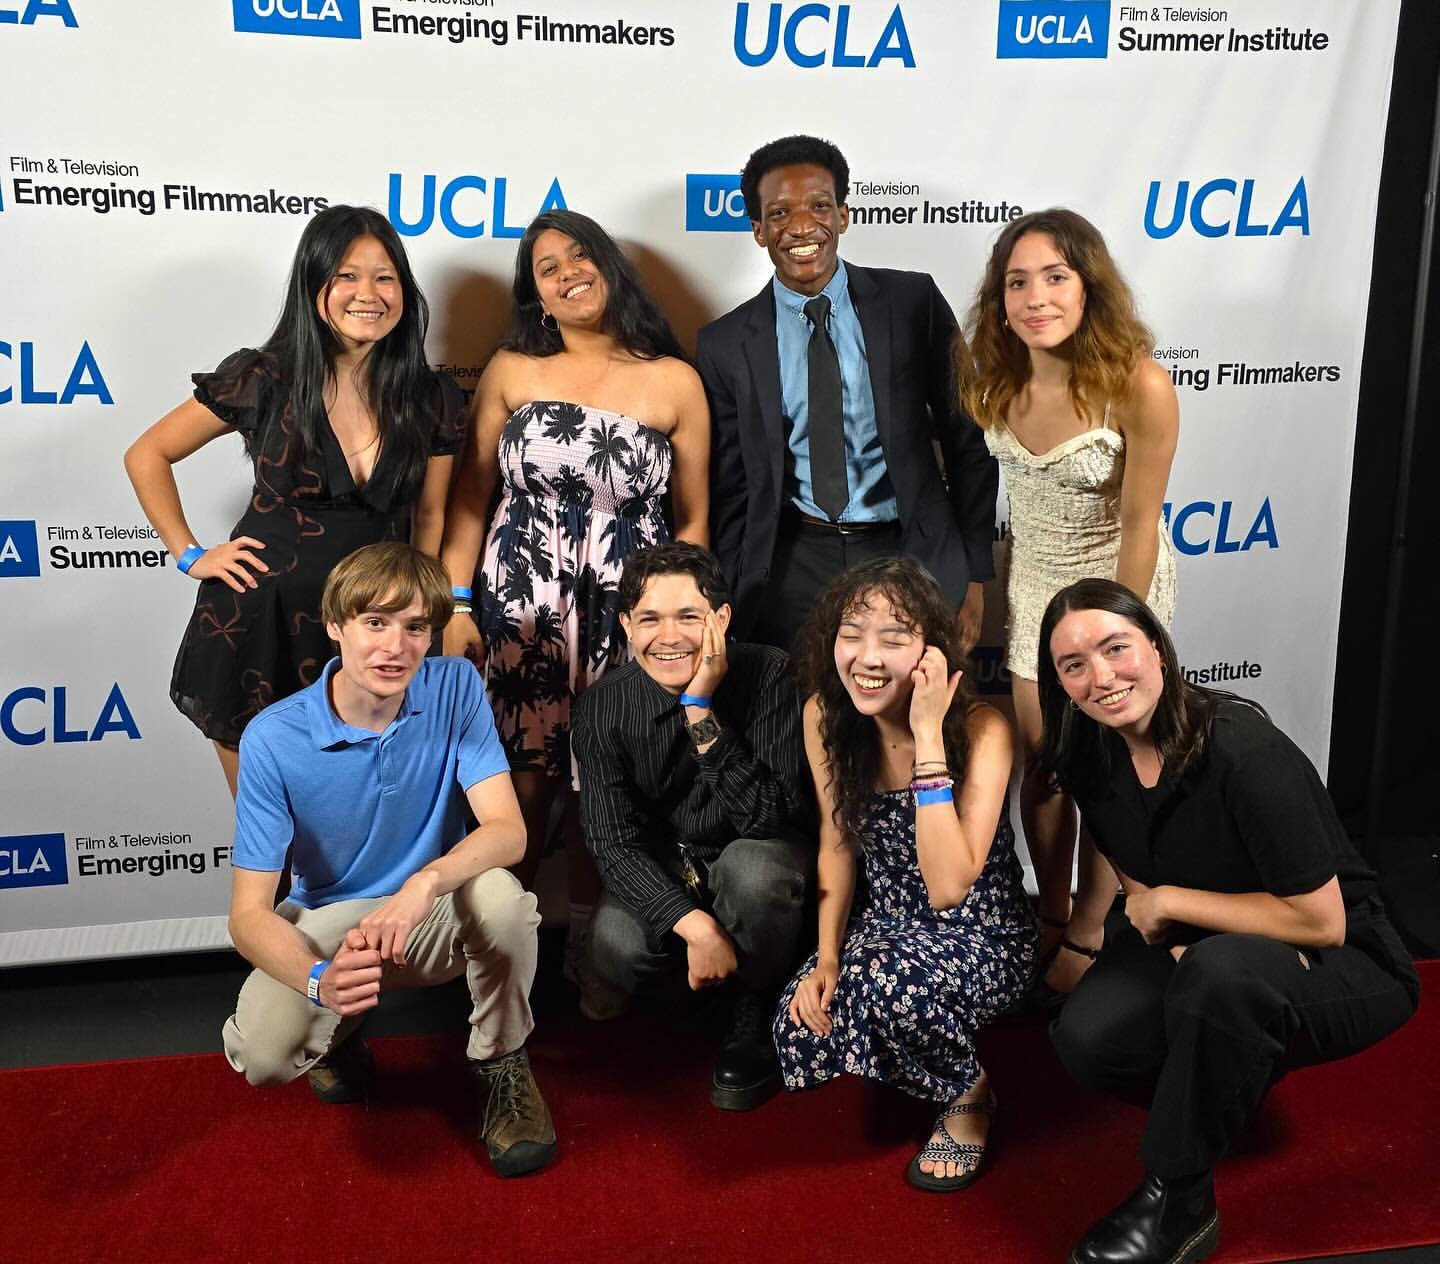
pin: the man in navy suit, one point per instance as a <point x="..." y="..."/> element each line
<point x="829" y="392"/>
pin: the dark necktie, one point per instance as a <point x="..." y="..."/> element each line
<point x="828" y="483"/>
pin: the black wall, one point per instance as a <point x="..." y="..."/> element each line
<point x="1385" y="744"/>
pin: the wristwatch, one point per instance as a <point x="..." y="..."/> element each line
<point x="704" y="730"/>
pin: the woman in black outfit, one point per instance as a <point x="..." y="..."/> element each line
<point x="352" y="436"/>
<point x="1257" y="941"/>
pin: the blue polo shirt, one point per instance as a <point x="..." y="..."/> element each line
<point x="364" y="810"/>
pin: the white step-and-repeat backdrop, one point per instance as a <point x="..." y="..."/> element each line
<point x="160" y="157"/>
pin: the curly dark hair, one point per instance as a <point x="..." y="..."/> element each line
<point x="852" y="740"/>
<point x="1075" y="751"/>
<point x="631" y="317"/>
<point x="678" y="557"/>
<point x="792" y="151"/>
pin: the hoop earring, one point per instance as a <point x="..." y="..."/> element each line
<point x="554" y="325"/>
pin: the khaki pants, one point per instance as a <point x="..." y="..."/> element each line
<point x="485" y="928"/>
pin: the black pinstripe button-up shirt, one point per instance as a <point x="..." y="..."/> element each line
<point x="644" y="790"/>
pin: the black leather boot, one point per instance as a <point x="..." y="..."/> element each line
<point x="1162" y="1222"/>
<point x="747" y="1070"/>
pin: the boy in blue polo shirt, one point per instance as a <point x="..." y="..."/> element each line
<point x="361" y="774"/>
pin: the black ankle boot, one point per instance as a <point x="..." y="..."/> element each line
<point x="747" y="1070"/>
<point x="1162" y="1222"/>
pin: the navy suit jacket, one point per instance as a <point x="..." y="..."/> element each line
<point x="947" y="520"/>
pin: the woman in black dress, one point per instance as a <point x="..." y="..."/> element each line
<point x="1256" y="943"/>
<point x="349" y="431"/>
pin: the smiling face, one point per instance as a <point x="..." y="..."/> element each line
<point x="876" y="649"/>
<point x="1109" y="669"/>
<point x="667" y="629"/>
<point x="800" y="225"/>
<point x="570" y="286"/>
<point x="380" y="652"/>
<point x="364" y="300"/>
<point x="1044" y="295"/>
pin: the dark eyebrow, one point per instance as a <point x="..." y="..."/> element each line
<point x="1044" y="267"/>
<point x="1099" y="645"/>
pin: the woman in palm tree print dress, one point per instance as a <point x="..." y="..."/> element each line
<point x="583" y="418"/>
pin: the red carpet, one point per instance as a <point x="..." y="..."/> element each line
<point x="176" y="1159"/>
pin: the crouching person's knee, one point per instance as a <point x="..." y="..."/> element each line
<point x="264" y="1063"/>
<point x="500" y="911"/>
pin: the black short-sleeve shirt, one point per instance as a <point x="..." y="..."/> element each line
<point x="1252" y="816"/>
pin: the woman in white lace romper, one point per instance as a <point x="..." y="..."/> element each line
<point x="1083" y="423"/>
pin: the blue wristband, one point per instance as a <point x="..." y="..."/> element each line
<point x="312" y="988"/>
<point x="924" y="798"/>
<point x="693" y="700"/>
<point x="187" y="559"/>
<point x="462" y="592"/>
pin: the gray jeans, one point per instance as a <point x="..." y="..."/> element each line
<point x="758" y="888"/>
<point x="485" y="928"/>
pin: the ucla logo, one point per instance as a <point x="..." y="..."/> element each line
<point x="1220" y="207"/>
<point x="85" y="378"/>
<point x="33" y="860"/>
<point x="38" y="9"/>
<point x="1053" y="28"/>
<point x="465" y="219"/>
<point x="23" y="713"/>
<point x="713" y="204"/>
<point x="1202" y="526"/>
<point x="330" y="19"/>
<point x="19" y="550"/>
<point x="812" y="32"/>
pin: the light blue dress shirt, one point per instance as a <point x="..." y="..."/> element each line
<point x="872" y="498"/>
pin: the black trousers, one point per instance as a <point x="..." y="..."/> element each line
<point x="758" y="889"/>
<point x="806" y="558"/>
<point x="1202" y="1040"/>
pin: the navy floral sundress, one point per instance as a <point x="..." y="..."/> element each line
<point x="580" y="490"/>
<point x="916" y="984"/>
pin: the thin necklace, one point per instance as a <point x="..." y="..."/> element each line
<point x="373" y="440"/>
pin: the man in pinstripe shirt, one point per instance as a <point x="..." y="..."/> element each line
<point x="696" y="803"/>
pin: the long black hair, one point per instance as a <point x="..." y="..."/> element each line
<point x="1075" y="751"/>
<point x="401" y="391"/>
<point x="631" y="315"/>
<point x="852" y="740"/>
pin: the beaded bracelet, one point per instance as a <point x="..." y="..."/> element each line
<point x="932" y="783"/>
<point x="937" y="766"/>
<point x="464" y="607"/>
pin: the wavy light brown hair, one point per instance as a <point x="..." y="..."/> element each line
<point x="1110" y="341"/>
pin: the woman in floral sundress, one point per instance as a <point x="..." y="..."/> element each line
<point x="912" y="772"/>
<point x="583" y="420"/>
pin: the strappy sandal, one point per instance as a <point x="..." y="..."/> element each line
<point x="1050" y="923"/>
<point x="947" y="1150"/>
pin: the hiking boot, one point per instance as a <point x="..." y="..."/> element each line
<point x="343" y="1075"/>
<point x="514" y="1121"/>
<point x="747" y="1070"/>
<point x="599" y="1002"/>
